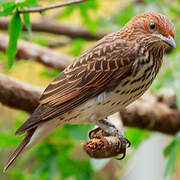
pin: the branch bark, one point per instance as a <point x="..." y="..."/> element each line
<point x="50" y="26"/>
<point x="19" y="95"/>
<point x="53" y="6"/>
<point x="46" y="56"/>
<point x="104" y="147"/>
<point x="152" y="114"/>
<point x="147" y="113"/>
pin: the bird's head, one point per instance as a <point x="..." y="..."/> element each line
<point x="152" y="29"/>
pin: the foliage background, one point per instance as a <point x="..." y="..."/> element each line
<point x="60" y="155"/>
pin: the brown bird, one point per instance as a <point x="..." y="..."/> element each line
<point x="116" y="71"/>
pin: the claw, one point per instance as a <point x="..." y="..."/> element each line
<point x="124" y="154"/>
<point x="97" y="133"/>
<point x="128" y="143"/>
<point x="105" y="128"/>
<point x="125" y="144"/>
<point x="125" y="141"/>
<point x="90" y="134"/>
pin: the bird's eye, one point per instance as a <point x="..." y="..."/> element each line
<point x="152" y="25"/>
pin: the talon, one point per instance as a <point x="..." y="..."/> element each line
<point x="125" y="143"/>
<point x="128" y="143"/>
<point x="90" y="134"/>
<point x="124" y="154"/>
<point x="95" y="133"/>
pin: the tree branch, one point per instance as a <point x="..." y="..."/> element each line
<point x="49" y="26"/>
<point x="53" y="6"/>
<point x="46" y="56"/>
<point x="152" y="114"/>
<point x="104" y="147"/>
<point x="19" y="95"/>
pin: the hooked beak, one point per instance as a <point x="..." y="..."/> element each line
<point x="169" y="41"/>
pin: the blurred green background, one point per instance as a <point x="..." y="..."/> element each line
<point x="60" y="156"/>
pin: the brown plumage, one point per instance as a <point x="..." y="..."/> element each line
<point x="113" y="73"/>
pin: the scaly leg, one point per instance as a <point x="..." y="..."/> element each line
<point x="96" y="129"/>
<point x="111" y="129"/>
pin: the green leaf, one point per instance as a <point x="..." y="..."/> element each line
<point x="31" y="3"/>
<point x="77" y="47"/>
<point x="169" y="148"/>
<point x="7" y="140"/>
<point x="66" y="12"/>
<point x="164" y="79"/>
<point x="17" y="174"/>
<point x="27" y="21"/>
<point x="125" y="15"/>
<point x="2" y="2"/>
<point x="14" y="29"/>
<point x="7" y="7"/>
<point x="87" y="20"/>
<point x="84" y="8"/>
<point x="78" y="132"/>
<point x="50" y="73"/>
<point x="27" y="3"/>
<point x="172" y="151"/>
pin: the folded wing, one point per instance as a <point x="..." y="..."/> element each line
<point x="96" y="70"/>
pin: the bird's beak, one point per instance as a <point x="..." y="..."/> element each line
<point x="169" y="41"/>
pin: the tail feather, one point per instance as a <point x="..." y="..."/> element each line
<point x="20" y="148"/>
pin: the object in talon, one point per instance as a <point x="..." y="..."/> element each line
<point x="102" y="145"/>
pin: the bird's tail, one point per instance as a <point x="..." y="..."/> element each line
<point x="20" y="148"/>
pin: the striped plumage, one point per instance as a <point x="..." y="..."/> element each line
<point x="116" y="71"/>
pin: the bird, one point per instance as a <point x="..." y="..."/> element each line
<point x="104" y="79"/>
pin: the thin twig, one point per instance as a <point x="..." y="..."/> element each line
<point x="53" y="6"/>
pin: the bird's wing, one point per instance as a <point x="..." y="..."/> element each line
<point x="95" y="71"/>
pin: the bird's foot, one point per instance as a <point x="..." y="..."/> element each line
<point x="111" y="130"/>
<point x="125" y="143"/>
<point x="99" y="131"/>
